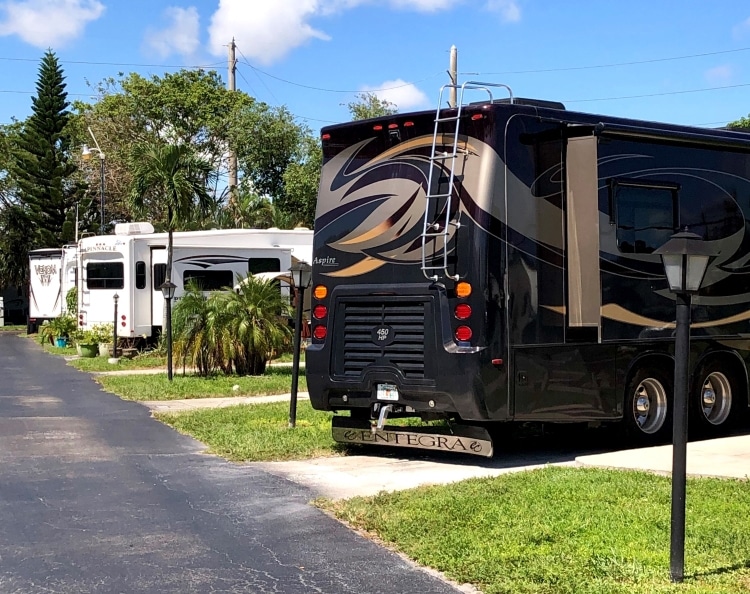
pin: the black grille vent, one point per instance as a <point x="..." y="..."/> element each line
<point x="405" y="352"/>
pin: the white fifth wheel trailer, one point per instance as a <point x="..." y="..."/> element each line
<point x="45" y="290"/>
<point x="132" y="264"/>
<point x="52" y="273"/>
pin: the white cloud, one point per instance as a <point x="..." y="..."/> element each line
<point x="273" y="28"/>
<point x="509" y="10"/>
<point x="266" y="33"/>
<point x="719" y="74"/>
<point x="180" y="36"/>
<point x="48" y="23"/>
<point x="406" y="96"/>
<point x="742" y="30"/>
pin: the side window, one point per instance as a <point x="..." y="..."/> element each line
<point x="209" y="280"/>
<point x="257" y="265"/>
<point x="140" y="274"/>
<point x="160" y="275"/>
<point x="645" y="214"/>
<point x="105" y="275"/>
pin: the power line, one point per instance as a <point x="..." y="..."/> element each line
<point x="114" y="63"/>
<point x="289" y="82"/>
<point x="616" y="64"/>
<point x="658" y="94"/>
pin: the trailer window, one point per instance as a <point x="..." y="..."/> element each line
<point x="160" y="275"/>
<point x="140" y="275"/>
<point x="105" y="275"/>
<point x="209" y="280"/>
<point x="257" y="265"/>
<point x="646" y="216"/>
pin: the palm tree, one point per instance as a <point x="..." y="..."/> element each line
<point x="253" y="323"/>
<point x="194" y="342"/>
<point x="171" y="176"/>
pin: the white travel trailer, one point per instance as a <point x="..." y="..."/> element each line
<point x="132" y="264"/>
<point x="52" y="273"/>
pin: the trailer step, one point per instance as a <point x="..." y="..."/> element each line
<point x="463" y="439"/>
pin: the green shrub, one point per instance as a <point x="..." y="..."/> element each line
<point x="71" y="300"/>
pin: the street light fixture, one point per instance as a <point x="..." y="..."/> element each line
<point x="86" y="155"/>
<point x="167" y="290"/>
<point x="685" y="258"/>
<point x="301" y="276"/>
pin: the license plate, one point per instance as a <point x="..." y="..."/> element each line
<point x="387" y="392"/>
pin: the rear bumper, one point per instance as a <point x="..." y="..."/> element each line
<point x="432" y="373"/>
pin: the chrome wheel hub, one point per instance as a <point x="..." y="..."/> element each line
<point x="649" y="405"/>
<point x="716" y="398"/>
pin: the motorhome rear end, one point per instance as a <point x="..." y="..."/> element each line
<point x="494" y="263"/>
<point x="132" y="265"/>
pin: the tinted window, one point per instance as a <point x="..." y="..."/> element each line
<point x="105" y="275"/>
<point x="140" y="275"/>
<point x="209" y="280"/>
<point x="256" y="265"/>
<point x="646" y="216"/>
<point x="160" y="275"/>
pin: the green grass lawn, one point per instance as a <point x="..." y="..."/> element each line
<point x="13" y="328"/>
<point x="566" y="530"/>
<point x="144" y="361"/>
<point x="277" y="380"/>
<point x="254" y="432"/>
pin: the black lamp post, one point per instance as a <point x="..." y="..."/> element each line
<point x="301" y="275"/>
<point x="86" y="154"/>
<point x="685" y="259"/>
<point x="167" y="289"/>
<point x="115" y="298"/>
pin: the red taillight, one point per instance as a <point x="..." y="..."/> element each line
<point x="477" y="116"/>
<point x="326" y="137"/>
<point x="123" y="324"/>
<point x="462" y="311"/>
<point x="392" y="126"/>
<point x="320" y="332"/>
<point x="463" y="333"/>
<point x="377" y="127"/>
<point x="124" y="317"/>
<point x="408" y="124"/>
<point x="320" y="312"/>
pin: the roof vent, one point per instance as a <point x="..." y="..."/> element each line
<point x="133" y="228"/>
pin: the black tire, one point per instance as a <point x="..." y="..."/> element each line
<point x="715" y="400"/>
<point x="647" y="415"/>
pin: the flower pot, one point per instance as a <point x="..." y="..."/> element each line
<point x="105" y="349"/>
<point x="88" y="350"/>
<point x="61" y="342"/>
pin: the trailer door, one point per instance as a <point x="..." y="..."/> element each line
<point x="158" y="276"/>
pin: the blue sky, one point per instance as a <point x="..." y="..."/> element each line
<point x="686" y="62"/>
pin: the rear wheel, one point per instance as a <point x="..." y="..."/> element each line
<point x="715" y="398"/>
<point x="648" y="405"/>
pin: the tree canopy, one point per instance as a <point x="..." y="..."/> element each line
<point x="368" y="105"/>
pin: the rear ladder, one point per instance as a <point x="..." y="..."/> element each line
<point x="437" y="230"/>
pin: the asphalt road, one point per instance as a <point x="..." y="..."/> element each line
<point x="96" y="496"/>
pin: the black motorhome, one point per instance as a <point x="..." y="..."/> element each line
<point x="495" y="262"/>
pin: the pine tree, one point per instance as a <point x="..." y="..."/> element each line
<point x="43" y="169"/>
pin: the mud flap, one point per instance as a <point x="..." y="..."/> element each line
<point x="463" y="439"/>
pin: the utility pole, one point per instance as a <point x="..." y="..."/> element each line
<point x="232" y="86"/>
<point x="453" y="73"/>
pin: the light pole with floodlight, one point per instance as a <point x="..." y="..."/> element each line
<point x="301" y="276"/>
<point x="167" y="290"/>
<point x="86" y="154"/>
<point x="685" y="257"/>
